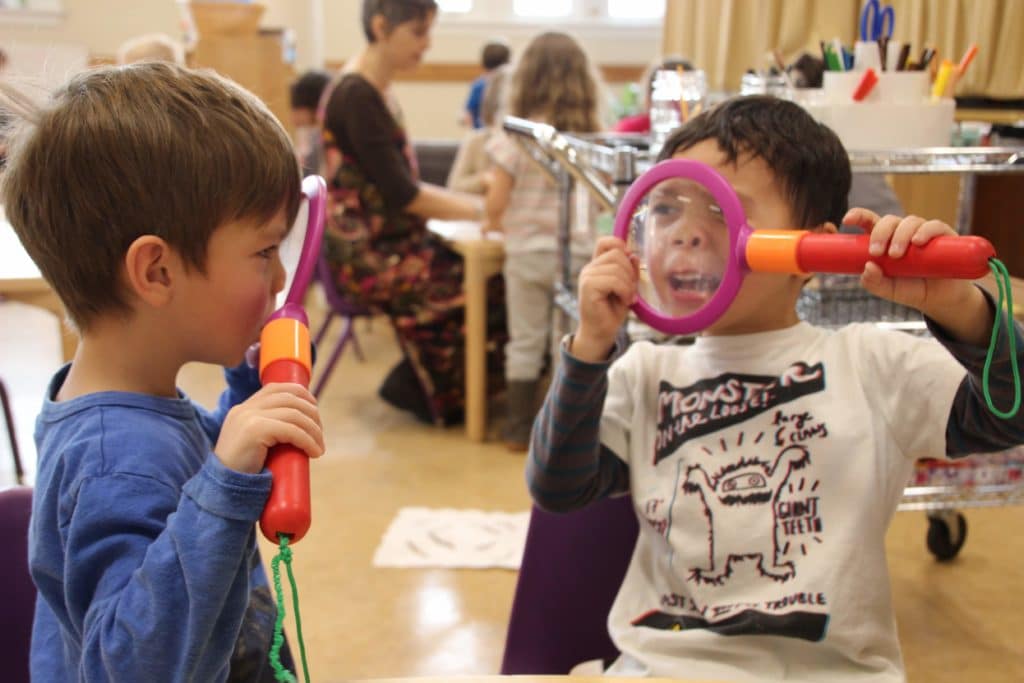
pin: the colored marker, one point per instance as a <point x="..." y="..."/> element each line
<point x="867" y="83"/>
<point x="941" y="80"/>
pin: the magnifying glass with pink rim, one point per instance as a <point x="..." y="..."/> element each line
<point x="688" y="228"/>
<point x="285" y="356"/>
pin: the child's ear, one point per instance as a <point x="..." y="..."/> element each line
<point x="380" y="27"/>
<point x="151" y="269"/>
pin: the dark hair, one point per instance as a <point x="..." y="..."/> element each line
<point x="148" y="148"/>
<point x="669" y="63"/>
<point x="307" y="89"/>
<point x="395" y="11"/>
<point x="807" y="158"/>
<point x="807" y="71"/>
<point x="494" y="54"/>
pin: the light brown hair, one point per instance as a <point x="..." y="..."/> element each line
<point x="120" y="152"/>
<point x="554" y="81"/>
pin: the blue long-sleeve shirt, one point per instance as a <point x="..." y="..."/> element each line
<point x="142" y="543"/>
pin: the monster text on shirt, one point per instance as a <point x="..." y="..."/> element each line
<point x="713" y="404"/>
<point x="759" y="496"/>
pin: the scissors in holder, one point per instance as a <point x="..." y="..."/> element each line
<point x="876" y="21"/>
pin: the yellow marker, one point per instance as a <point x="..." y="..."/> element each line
<point x="941" y="80"/>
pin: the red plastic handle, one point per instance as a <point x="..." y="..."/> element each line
<point x="288" y="509"/>
<point x="950" y="256"/>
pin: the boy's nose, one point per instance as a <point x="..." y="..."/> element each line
<point x="688" y="234"/>
<point x="277" y="281"/>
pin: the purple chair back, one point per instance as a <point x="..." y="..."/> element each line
<point x="573" y="565"/>
<point x="18" y="596"/>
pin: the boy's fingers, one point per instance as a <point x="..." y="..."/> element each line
<point x="862" y="218"/>
<point x="608" y="243"/>
<point x="613" y="283"/>
<point x="900" y="239"/>
<point x="875" y="282"/>
<point x="929" y="230"/>
<point x="881" y="233"/>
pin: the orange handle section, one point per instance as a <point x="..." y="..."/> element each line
<point x="285" y="339"/>
<point x="774" y="251"/>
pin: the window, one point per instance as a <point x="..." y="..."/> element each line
<point x="532" y="15"/>
<point x="636" y="9"/>
<point x="455" y="6"/>
<point x="542" y="8"/>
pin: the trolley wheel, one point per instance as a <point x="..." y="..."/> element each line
<point x="947" y="531"/>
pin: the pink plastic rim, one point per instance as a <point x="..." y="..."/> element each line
<point x="735" y="220"/>
<point x="315" y="190"/>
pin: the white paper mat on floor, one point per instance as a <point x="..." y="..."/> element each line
<point x="444" y="537"/>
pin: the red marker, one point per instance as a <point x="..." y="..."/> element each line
<point x="867" y="83"/>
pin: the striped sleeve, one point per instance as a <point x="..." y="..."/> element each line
<point x="972" y="426"/>
<point x="568" y="467"/>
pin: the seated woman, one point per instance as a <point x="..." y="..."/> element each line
<point x="381" y="253"/>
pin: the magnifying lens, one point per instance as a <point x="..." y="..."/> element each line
<point x="688" y="228"/>
<point x="285" y="356"/>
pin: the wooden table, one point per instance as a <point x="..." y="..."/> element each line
<point x="482" y="258"/>
<point x="21" y="281"/>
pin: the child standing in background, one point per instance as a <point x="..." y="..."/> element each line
<point x="496" y="53"/>
<point x="469" y="170"/>
<point x="553" y="83"/>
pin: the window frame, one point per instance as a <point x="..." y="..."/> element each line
<point x="585" y="15"/>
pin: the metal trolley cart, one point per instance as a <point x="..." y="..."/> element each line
<point x="605" y="165"/>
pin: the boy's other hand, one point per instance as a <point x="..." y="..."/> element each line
<point x="608" y="287"/>
<point x="892" y="236"/>
<point x="276" y="414"/>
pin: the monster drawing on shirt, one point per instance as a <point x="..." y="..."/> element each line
<point x="739" y="502"/>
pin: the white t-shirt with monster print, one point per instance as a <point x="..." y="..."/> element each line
<point x="767" y="482"/>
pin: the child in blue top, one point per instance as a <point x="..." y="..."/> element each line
<point x="153" y="200"/>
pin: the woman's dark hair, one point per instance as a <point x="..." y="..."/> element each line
<point x="395" y="11"/>
<point x="807" y="158"/>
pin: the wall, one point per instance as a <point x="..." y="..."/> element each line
<point x="455" y="42"/>
<point x="100" y="25"/>
<point x="328" y="31"/>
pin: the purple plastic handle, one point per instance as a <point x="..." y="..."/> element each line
<point x="735" y="220"/>
<point x="315" y="190"/>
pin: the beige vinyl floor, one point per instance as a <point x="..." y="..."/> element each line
<point x="962" y="621"/>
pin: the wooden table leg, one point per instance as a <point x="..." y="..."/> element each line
<point x="48" y="300"/>
<point x="475" y="286"/>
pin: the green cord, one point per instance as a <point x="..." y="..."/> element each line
<point x="1002" y="276"/>
<point x="280" y="673"/>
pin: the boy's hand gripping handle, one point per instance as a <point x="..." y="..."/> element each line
<point x="285" y="357"/>
<point x="797" y="251"/>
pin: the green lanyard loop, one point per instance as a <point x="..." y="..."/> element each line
<point x="1002" y="276"/>
<point x="280" y="673"/>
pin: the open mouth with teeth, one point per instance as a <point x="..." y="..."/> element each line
<point x="685" y="293"/>
<point x="697" y="283"/>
